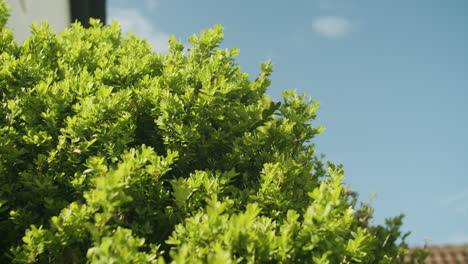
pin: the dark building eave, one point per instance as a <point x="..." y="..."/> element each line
<point x="83" y="10"/>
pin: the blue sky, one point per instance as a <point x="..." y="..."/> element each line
<point x="391" y="78"/>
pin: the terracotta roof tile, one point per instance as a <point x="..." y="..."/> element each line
<point x="454" y="254"/>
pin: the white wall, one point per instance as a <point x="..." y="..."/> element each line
<point x="25" y="12"/>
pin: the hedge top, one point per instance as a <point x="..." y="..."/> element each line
<point x="111" y="153"/>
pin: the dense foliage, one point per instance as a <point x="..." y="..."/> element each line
<point x="111" y="153"/>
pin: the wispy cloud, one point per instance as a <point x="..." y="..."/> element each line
<point x="332" y="26"/>
<point x="458" y="238"/>
<point x="461" y="209"/>
<point x="151" y="4"/>
<point x="334" y="4"/>
<point x="457" y="201"/>
<point x="326" y="4"/>
<point x="132" y="19"/>
<point x="454" y="198"/>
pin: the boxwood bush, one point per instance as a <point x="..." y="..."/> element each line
<point x="112" y="153"/>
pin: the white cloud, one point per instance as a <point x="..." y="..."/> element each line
<point x="331" y="26"/>
<point x="131" y="19"/>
